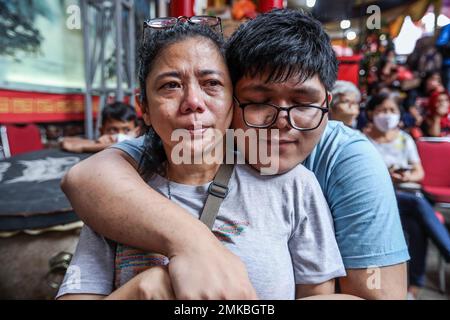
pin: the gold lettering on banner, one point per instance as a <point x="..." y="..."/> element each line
<point x="61" y="106"/>
<point x="78" y="106"/>
<point x="75" y="106"/>
<point x="4" y="105"/>
<point x="22" y="105"/>
<point x="69" y="106"/>
<point x="45" y="106"/>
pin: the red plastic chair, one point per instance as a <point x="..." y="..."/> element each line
<point x="435" y="156"/>
<point x="17" y="139"/>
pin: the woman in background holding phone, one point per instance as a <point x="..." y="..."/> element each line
<point x="400" y="154"/>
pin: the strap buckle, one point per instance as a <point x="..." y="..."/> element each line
<point x="218" y="190"/>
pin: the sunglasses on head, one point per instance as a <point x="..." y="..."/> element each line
<point x="168" y="22"/>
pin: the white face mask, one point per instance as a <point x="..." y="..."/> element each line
<point x="123" y="137"/>
<point x="386" y="121"/>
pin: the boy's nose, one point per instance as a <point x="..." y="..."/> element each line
<point x="282" y="120"/>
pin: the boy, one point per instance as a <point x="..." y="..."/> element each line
<point x="119" y="123"/>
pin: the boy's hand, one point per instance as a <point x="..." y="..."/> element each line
<point x="208" y="270"/>
<point x="154" y="284"/>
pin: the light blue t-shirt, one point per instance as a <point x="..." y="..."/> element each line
<point x="359" y="192"/>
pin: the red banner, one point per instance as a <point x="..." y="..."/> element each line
<point x="24" y="107"/>
<point x="349" y="68"/>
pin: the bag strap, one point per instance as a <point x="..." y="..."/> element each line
<point x="217" y="191"/>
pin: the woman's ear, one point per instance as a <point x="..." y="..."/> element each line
<point x="144" y="109"/>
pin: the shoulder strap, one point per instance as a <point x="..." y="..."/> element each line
<point x="218" y="190"/>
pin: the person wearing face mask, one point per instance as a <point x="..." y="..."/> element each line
<point x="119" y="123"/>
<point x="399" y="152"/>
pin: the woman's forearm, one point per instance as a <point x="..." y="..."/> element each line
<point x="417" y="173"/>
<point x="434" y="127"/>
<point x="108" y="194"/>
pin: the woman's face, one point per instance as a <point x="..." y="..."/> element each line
<point x="442" y="105"/>
<point x="188" y="87"/>
<point x="386" y="116"/>
<point x="346" y="106"/>
<point x="434" y="83"/>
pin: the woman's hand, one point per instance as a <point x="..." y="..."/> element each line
<point x="404" y="176"/>
<point x="415" y="174"/>
<point x="401" y="177"/>
<point x="396" y="176"/>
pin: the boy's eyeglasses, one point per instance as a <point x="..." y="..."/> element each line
<point x="168" y="22"/>
<point x="300" y="117"/>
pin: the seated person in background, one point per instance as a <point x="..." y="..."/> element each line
<point x="417" y="99"/>
<point x="119" y="123"/>
<point x="345" y="104"/>
<point x="400" y="155"/>
<point x="437" y="120"/>
<point x="387" y="69"/>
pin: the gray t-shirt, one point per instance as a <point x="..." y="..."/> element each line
<point x="280" y="226"/>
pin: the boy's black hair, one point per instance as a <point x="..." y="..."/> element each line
<point x="119" y="111"/>
<point x="285" y="43"/>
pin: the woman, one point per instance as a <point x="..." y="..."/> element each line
<point x="297" y="257"/>
<point x="417" y="100"/>
<point x="400" y="155"/>
<point x="345" y="104"/>
<point x="437" y="120"/>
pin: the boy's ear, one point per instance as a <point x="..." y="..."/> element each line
<point x="329" y="97"/>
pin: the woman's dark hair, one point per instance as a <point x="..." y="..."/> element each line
<point x="285" y="43"/>
<point x="153" y="159"/>
<point x="377" y="100"/>
<point x="423" y="82"/>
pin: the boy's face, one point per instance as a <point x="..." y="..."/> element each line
<point x="294" y="145"/>
<point x="112" y="126"/>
